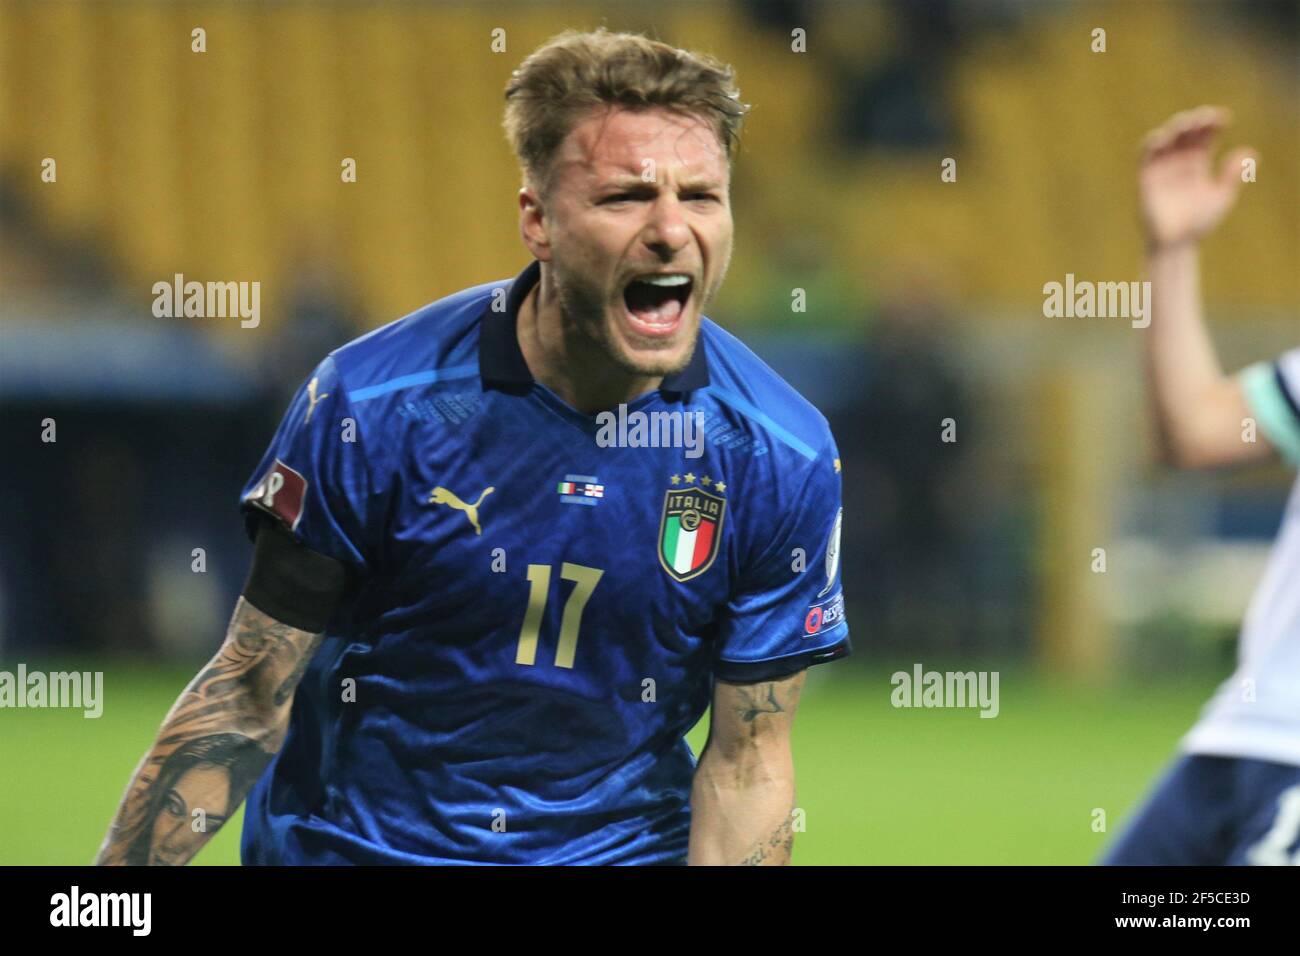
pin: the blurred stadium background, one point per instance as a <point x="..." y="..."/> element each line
<point x="924" y="301"/>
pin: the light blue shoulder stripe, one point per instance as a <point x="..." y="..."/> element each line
<point x="1276" y="415"/>
<point x="730" y="398"/>
<point x="409" y="381"/>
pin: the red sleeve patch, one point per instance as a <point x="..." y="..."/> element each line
<point x="281" y="493"/>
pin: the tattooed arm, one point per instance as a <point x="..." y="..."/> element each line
<point x="217" y="739"/>
<point x="742" y="798"/>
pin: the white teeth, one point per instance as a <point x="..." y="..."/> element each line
<point x="664" y="280"/>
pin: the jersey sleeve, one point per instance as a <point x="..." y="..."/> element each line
<point x="788" y="611"/>
<point x="1273" y="394"/>
<point x="313" y="479"/>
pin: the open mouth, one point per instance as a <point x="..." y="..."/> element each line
<point x="656" y="301"/>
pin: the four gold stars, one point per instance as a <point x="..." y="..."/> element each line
<point x="705" y="480"/>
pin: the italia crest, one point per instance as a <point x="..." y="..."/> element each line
<point x="691" y="527"/>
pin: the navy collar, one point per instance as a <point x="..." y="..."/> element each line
<point x="501" y="362"/>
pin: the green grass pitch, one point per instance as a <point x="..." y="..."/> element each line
<point x="876" y="784"/>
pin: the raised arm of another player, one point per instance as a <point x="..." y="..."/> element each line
<point x="742" y="797"/>
<point x="233" y="717"/>
<point x="1198" y="410"/>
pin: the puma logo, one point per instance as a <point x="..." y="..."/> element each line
<point x="443" y="496"/>
<point x="313" y="398"/>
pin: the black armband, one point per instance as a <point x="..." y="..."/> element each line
<point x="291" y="583"/>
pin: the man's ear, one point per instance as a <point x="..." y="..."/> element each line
<point x="533" y="224"/>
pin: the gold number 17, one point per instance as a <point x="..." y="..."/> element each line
<point x="539" y="586"/>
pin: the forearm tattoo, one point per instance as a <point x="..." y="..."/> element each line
<point x="777" y="847"/>
<point x="220" y="735"/>
<point x="751" y="717"/>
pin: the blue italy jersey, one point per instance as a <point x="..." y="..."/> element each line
<point x="541" y="598"/>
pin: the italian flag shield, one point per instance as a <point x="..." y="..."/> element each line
<point x="690" y="531"/>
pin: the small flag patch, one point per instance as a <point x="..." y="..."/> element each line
<point x="580" y="490"/>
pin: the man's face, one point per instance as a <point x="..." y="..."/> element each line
<point x="173" y="833"/>
<point x="637" y="229"/>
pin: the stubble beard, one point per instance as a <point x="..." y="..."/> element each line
<point x="583" y="307"/>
